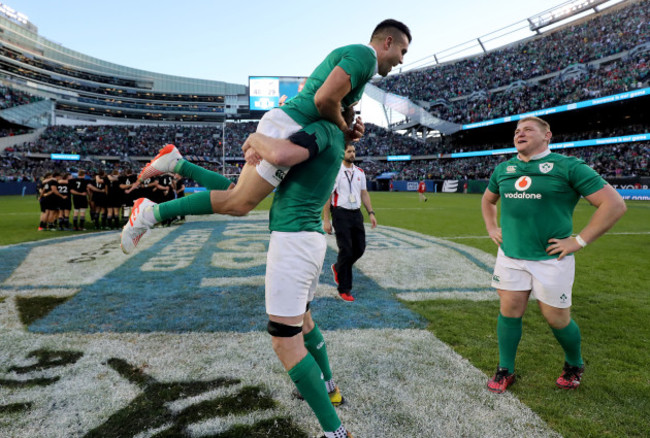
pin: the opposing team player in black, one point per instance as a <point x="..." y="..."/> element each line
<point x="65" y="203"/>
<point x="179" y="187"/>
<point x="79" y="191"/>
<point x="128" y="194"/>
<point x="113" y="199"/>
<point x="167" y="193"/>
<point x="97" y="186"/>
<point x="43" y="190"/>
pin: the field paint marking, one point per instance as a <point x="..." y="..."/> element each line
<point x="433" y="390"/>
<point x="256" y="280"/>
<point x="450" y="295"/>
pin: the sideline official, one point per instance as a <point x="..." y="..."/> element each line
<point x="345" y="206"/>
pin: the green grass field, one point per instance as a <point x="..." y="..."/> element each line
<point x="611" y="305"/>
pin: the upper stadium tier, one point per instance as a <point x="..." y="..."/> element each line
<point x="599" y="55"/>
<point x="86" y="87"/>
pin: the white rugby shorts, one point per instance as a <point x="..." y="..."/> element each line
<point x="276" y="124"/>
<point x="293" y="266"/>
<point x="551" y="281"/>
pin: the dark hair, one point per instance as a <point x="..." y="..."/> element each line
<point x="390" y="23"/>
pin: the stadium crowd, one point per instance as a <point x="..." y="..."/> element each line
<point x="10" y="97"/>
<point x="617" y="160"/>
<point x="587" y="41"/>
<point x="620" y="160"/>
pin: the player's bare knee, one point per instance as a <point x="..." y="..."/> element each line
<point x="307" y="322"/>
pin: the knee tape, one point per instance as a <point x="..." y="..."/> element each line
<point x="282" y="330"/>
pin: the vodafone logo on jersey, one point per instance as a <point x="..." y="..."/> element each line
<point x="523" y="183"/>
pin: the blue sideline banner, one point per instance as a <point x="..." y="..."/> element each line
<point x="634" y="194"/>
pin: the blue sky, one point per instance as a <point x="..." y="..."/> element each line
<point x="230" y="40"/>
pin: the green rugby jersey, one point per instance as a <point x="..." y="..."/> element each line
<point x="538" y="199"/>
<point x="358" y="60"/>
<point x="299" y="199"/>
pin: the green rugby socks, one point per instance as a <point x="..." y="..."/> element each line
<point x="195" y="204"/>
<point x="570" y="340"/>
<point x="307" y="377"/>
<point x="206" y="178"/>
<point x="315" y="344"/>
<point x="509" y="334"/>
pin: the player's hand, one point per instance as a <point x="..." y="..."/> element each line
<point x="327" y="227"/>
<point x="563" y="246"/>
<point x="356" y="131"/>
<point x="248" y="143"/>
<point x="373" y="221"/>
<point x="252" y="157"/>
<point x="496" y="236"/>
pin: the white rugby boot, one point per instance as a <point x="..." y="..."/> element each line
<point x="136" y="226"/>
<point x="164" y="162"/>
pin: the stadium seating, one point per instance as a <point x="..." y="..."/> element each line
<point x="528" y="75"/>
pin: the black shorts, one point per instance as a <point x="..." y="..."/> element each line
<point x="66" y="204"/>
<point x="113" y="200"/>
<point x="47" y="201"/>
<point x="100" y="200"/>
<point x="57" y="202"/>
<point x="80" y="201"/>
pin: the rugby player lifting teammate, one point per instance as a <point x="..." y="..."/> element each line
<point x="295" y="258"/>
<point x="338" y="82"/>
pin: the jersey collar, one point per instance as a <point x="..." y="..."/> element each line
<point x="538" y="156"/>
<point x="376" y="60"/>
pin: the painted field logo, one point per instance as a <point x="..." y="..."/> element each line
<point x="523" y="183"/>
<point x="171" y="340"/>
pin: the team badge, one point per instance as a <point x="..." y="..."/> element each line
<point x="546" y="167"/>
<point x="523" y="183"/>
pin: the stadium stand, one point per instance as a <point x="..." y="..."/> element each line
<point x="611" y="47"/>
<point x="105" y="113"/>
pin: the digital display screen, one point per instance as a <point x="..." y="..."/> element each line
<point x="268" y="92"/>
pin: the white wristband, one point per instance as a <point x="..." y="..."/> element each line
<point x="581" y="241"/>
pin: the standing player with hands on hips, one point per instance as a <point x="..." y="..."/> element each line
<point x="539" y="191"/>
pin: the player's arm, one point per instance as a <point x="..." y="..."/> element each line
<point x="327" y="225"/>
<point x="277" y="151"/>
<point x="365" y="199"/>
<point x="610" y="207"/>
<point x="489" y="210"/>
<point x="76" y="192"/>
<point x="329" y="96"/>
<point x="55" y="190"/>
